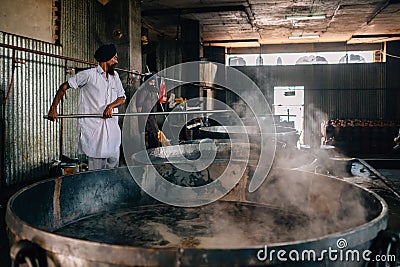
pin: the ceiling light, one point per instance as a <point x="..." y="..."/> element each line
<point x="303" y="37"/>
<point x="306" y="17"/>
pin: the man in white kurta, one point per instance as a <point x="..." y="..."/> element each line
<point x="101" y="92"/>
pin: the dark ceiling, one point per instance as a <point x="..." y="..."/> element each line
<point x="252" y="22"/>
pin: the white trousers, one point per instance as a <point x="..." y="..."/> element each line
<point x="103" y="163"/>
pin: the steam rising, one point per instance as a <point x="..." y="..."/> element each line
<point x="313" y="207"/>
<point x="289" y="206"/>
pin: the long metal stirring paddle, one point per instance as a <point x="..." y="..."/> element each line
<point x="68" y="116"/>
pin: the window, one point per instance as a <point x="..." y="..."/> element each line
<point x="288" y="107"/>
<point x="301" y="58"/>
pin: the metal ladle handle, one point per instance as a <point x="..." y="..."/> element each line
<point x="67" y="116"/>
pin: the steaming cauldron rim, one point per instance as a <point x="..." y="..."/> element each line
<point x="95" y="251"/>
<point x="195" y="144"/>
<point x="216" y="130"/>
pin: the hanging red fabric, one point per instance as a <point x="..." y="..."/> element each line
<point x="162" y="91"/>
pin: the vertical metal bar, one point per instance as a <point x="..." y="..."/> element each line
<point x="3" y="142"/>
<point x="288" y="115"/>
<point x="61" y="133"/>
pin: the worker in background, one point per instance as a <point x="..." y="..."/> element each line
<point x="397" y="142"/>
<point x="146" y="101"/>
<point x="171" y="101"/>
<point x="101" y="92"/>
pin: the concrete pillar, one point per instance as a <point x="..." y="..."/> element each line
<point x="116" y="32"/>
<point x="215" y="53"/>
<point x="124" y="29"/>
<point x="135" y="63"/>
<point x="135" y="32"/>
<point x="190" y="39"/>
<point x="190" y="44"/>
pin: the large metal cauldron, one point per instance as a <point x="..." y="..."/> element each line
<point x="190" y="152"/>
<point x="103" y="218"/>
<point x="189" y="164"/>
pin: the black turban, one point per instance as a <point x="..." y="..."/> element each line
<point x="148" y="77"/>
<point x="105" y="53"/>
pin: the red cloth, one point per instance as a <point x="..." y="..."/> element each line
<point x="162" y="91"/>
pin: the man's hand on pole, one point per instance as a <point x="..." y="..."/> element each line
<point x="107" y="113"/>
<point x="53" y="114"/>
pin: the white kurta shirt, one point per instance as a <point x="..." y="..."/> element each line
<point x="98" y="137"/>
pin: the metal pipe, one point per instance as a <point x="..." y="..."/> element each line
<point x="61" y="128"/>
<point x="62" y="57"/>
<point x="135" y="72"/>
<point x="69" y="116"/>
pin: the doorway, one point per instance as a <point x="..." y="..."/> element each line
<point x="288" y="108"/>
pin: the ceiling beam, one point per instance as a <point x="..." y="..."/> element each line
<point x="379" y="10"/>
<point x="250" y="15"/>
<point x="230" y="41"/>
<point x="387" y="35"/>
<point x="181" y="11"/>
